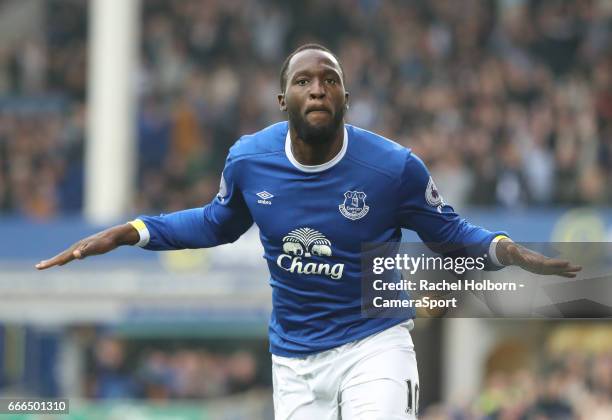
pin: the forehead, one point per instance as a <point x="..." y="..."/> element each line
<point x="312" y="60"/>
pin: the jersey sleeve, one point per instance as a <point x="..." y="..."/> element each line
<point x="221" y="221"/>
<point x="423" y="210"/>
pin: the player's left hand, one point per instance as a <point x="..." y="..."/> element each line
<point x="511" y="253"/>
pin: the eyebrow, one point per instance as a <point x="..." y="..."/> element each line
<point x="308" y="72"/>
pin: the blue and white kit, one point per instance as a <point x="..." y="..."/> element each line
<point x="313" y="221"/>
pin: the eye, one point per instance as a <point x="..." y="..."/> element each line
<point x="301" y="82"/>
<point x="331" y="81"/>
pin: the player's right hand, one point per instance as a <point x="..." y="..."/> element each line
<point x="511" y="253"/>
<point x="100" y="243"/>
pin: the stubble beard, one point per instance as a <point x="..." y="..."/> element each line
<point x="319" y="134"/>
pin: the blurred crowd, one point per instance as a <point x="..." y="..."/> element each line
<point x="509" y="102"/>
<point x="567" y="379"/>
<point x="154" y="373"/>
<point x="571" y="378"/>
<point x="575" y="387"/>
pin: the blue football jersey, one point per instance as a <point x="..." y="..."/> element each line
<point x="313" y="221"/>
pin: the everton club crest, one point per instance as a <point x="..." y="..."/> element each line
<point x="354" y="206"/>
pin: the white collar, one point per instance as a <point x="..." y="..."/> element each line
<point x="315" y="168"/>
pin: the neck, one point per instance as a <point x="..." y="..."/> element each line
<point x="309" y="154"/>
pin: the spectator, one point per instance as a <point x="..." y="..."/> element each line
<point x="512" y="100"/>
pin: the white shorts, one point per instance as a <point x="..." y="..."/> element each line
<point x="369" y="379"/>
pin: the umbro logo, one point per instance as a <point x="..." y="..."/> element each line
<point x="265" y="197"/>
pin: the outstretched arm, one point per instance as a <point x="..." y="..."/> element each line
<point x="100" y="243"/>
<point x="511" y="253"/>
<point x="424" y="211"/>
<point x="222" y="221"/>
<point x="215" y="224"/>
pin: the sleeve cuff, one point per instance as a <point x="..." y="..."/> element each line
<point x="143" y="232"/>
<point x="493" y="250"/>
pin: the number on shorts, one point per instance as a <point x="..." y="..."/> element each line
<point x="413" y="398"/>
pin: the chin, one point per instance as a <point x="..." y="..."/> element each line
<point x="317" y="133"/>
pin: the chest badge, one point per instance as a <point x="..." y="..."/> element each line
<point x="354" y="206"/>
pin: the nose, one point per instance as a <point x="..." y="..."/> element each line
<point x="317" y="89"/>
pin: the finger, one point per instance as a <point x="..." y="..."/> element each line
<point x="80" y="251"/>
<point x="550" y="264"/>
<point x="567" y="275"/>
<point x="569" y="271"/>
<point x="60" y="259"/>
<point x="43" y="265"/>
<point x="563" y="265"/>
<point x="84" y="250"/>
<point x="567" y="264"/>
<point x="553" y="262"/>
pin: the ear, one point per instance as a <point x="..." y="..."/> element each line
<point x="281" y="102"/>
<point x="346" y="100"/>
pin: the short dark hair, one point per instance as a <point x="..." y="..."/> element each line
<point x="312" y="46"/>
